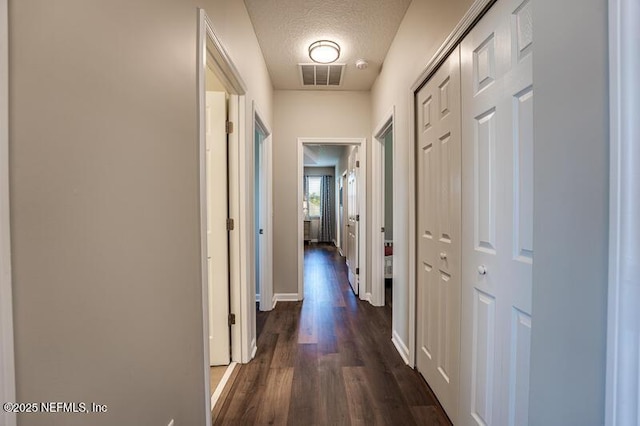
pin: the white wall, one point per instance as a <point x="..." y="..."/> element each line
<point x="104" y="203"/>
<point x="425" y="26"/>
<point x="305" y="114"/>
<point x="570" y="219"/>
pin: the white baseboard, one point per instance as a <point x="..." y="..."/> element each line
<point x="254" y="349"/>
<point x="400" y="346"/>
<point x="366" y="297"/>
<point x="285" y="297"/>
<point x="223" y="382"/>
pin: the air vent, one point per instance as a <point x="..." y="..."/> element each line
<point x="321" y="75"/>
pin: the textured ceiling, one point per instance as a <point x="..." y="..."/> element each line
<point x="364" y="29"/>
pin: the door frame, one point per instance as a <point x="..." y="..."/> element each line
<point x="266" y="267"/>
<point x="378" y="173"/>
<point x="475" y="12"/>
<point x="210" y="51"/>
<point x="622" y="381"/>
<point x="7" y="354"/>
<point x="361" y="143"/>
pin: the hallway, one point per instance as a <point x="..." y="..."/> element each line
<point x="327" y="361"/>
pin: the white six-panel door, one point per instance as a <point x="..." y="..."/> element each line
<point x="217" y="237"/>
<point x="352" y="220"/>
<point x="497" y="249"/>
<point x="438" y="227"/>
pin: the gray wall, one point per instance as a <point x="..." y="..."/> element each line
<point x="105" y="205"/>
<point x="570" y="213"/>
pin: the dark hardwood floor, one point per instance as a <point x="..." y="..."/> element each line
<point x="328" y="361"/>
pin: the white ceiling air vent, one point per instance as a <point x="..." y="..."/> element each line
<point x="321" y="75"/>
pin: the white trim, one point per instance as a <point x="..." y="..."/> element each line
<point x="378" y="203"/>
<point x="211" y="51"/>
<point x="202" y="63"/>
<point x="285" y="297"/>
<point x="623" y="337"/>
<point x="239" y="334"/>
<point x="362" y="195"/>
<point x="475" y="12"/>
<point x="266" y="283"/>
<point x="7" y="364"/>
<point x="400" y="346"/>
<point x="223" y="382"/>
<point x="254" y="348"/>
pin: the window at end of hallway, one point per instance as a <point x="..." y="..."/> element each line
<point x="313" y="196"/>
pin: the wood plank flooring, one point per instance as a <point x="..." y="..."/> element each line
<point x="328" y="360"/>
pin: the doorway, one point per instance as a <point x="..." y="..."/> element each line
<point x="262" y="208"/>
<point x="353" y="192"/>
<point x="382" y="214"/>
<point x="217" y="206"/>
<point x="223" y="209"/>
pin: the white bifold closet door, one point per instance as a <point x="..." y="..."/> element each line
<point x="497" y="198"/>
<point x="438" y="227"/>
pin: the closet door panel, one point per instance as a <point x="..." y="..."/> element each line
<point x="439" y="232"/>
<point x="497" y="244"/>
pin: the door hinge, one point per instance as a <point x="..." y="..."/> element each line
<point x="357" y="271"/>
<point x="357" y="218"/>
<point x="358" y="163"/>
<point x="232" y="319"/>
<point x="230" y="224"/>
<point x="382" y="229"/>
<point x="229" y="127"/>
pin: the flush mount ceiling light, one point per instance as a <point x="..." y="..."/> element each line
<point x="324" y="51"/>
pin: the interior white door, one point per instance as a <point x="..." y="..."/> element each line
<point x="353" y="220"/>
<point x="344" y="213"/>
<point x="217" y="234"/>
<point x="439" y="233"/>
<point x="257" y="204"/>
<point x="497" y="120"/>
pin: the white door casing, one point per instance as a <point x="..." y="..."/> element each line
<point x="623" y="334"/>
<point x="343" y="215"/>
<point x="264" y="238"/>
<point x="497" y="243"/>
<point x="7" y="364"/>
<point x="360" y="203"/>
<point x="378" y="203"/>
<point x="217" y="234"/>
<point x="439" y="233"/>
<point x="353" y="220"/>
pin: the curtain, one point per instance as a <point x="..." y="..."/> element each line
<point x="327" y="208"/>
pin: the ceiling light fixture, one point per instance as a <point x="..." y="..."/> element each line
<point x="324" y="51"/>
